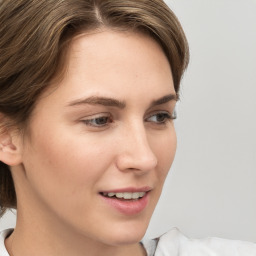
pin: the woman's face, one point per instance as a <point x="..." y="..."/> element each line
<point x="102" y="140"/>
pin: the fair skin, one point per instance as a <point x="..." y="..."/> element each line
<point x="80" y="145"/>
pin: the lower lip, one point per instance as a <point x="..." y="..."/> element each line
<point x="128" y="207"/>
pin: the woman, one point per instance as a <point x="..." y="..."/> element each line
<point x="87" y="98"/>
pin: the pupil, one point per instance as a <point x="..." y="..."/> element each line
<point x="101" y="120"/>
<point x="160" y="117"/>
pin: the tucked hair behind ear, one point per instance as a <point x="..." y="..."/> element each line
<point x="34" y="36"/>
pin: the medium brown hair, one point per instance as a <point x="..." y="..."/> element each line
<point x="34" y="36"/>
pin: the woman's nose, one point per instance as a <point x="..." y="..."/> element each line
<point x="136" y="152"/>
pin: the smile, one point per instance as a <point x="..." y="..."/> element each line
<point x="127" y="201"/>
<point x="125" y="195"/>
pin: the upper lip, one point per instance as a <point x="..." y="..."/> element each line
<point x="129" y="189"/>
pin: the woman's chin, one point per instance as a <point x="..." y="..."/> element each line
<point x="122" y="240"/>
<point x="125" y="236"/>
<point x="132" y="237"/>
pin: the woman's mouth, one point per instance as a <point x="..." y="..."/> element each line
<point x="125" y="195"/>
<point x="125" y="202"/>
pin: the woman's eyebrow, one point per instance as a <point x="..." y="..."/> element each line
<point x="95" y="100"/>
<point x="110" y="102"/>
<point x="165" y="99"/>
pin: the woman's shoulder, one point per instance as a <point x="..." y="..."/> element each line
<point x="3" y="235"/>
<point x="176" y="244"/>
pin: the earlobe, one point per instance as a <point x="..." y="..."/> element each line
<point x="9" y="149"/>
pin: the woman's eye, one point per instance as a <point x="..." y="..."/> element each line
<point x="98" y="121"/>
<point x="161" y="117"/>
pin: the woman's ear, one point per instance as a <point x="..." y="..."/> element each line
<point x="10" y="147"/>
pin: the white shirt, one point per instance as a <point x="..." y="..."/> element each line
<point x="173" y="243"/>
<point x="3" y="235"/>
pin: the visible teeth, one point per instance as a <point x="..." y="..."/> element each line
<point x="119" y="195"/>
<point x="126" y="195"/>
<point x="141" y="194"/>
<point x="137" y="195"/>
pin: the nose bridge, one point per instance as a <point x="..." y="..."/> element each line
<point x="136" y="152"/>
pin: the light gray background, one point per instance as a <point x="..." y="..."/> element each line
<point x="211" y="189"/>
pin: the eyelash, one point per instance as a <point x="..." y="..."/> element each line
<point x="105" y="118"/>
<point x="167" y="117"/>
<point x="90" y="121"/>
